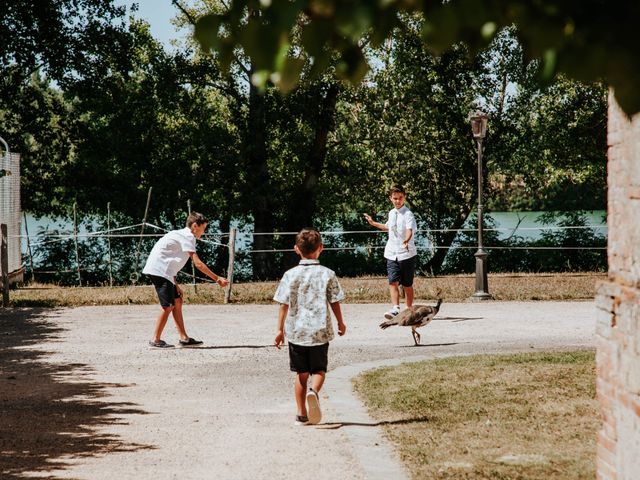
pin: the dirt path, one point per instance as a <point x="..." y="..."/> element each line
<point x="95" y="403"/>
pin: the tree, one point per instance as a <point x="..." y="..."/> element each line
<point x="589" y="40"/>
<point x="408" y="126"/>
<point x="284" y="142"/>
<point x="547" y="141"/>
<point x="43" y="46"/>
<point x="154" y="124"/>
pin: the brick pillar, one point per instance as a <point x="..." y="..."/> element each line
<point x="618" y="306"/>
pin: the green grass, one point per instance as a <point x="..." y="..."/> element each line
<point x="525" y="416"/>
<point x="455" y="288"/>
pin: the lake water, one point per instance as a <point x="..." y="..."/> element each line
<point x="529" y="227"/>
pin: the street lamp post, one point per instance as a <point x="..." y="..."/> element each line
<point x="479" y="121"/>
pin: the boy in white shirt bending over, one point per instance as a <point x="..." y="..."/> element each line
<point x="166" y="259"/>
<point x="400" y="251"/>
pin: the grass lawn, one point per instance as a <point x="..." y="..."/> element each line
<point x="525" y="416"/>
<point x="454" y="288"/>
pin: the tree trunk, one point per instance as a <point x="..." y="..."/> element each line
<point x="258" y="179"/>
<point x="303" y="204"/>
<point x="445" y="239"/>
<point x="221" y="259"/>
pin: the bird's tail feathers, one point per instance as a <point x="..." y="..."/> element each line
<point x="388" y="323"/>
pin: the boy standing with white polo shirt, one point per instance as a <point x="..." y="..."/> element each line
<point x="166" y="259"/>
<point x="400" y="251"/>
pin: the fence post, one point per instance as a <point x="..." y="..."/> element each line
<point x="26" y="230"/>
<point x="134" y="275"/>
<point x="193" y="268"/>
<point x="4" y="265"/>
<point x="109" y="243"/>
<point x="232" y="256"/>
<point x="75" y="241"/>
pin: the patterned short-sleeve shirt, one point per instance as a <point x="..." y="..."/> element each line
<point x="308" y="289"/>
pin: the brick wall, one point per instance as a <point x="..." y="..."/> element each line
<point x="618" y="307"/>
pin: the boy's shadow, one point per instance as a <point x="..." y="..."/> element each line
<point x="458" y="319"/>
<point x="430" y="345"/>
<point x="336" y="425"/>
<point x="224" y="347"/>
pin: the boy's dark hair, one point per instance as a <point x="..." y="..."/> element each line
<point x="308" y="240"/>
<point x="397" y="189"/>
<point x="197" y="218"/>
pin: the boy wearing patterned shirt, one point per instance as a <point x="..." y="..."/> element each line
<point x="306" y="295"/>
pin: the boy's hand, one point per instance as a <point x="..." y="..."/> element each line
<point x="223" y="282"/>
<point x="342" y="328"/>
<point x="279" y="340"/>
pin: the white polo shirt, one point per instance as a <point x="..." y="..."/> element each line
<point x="170" y="254"/>
<point x="400" y="220"/>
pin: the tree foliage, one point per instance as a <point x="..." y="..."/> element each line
<point x="127" y="116"/>
<point x="589" y="40"/>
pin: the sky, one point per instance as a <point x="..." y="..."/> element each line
<point x="159" y="14"/>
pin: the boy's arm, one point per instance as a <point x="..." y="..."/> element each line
<point x="335" y="307"/>
<point x="200" y="265"/>
<point x="407" y="237"/>
<point x="282" y="314"/>
<point x="408" y="234"/>
<point x="178" y="287"/>
<point x="381" y="226"/>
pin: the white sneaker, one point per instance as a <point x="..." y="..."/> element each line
<point x="392" y="313"/>
<point x="313" y="407"/>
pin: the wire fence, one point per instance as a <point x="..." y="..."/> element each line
<point x="221" y="240"/>
<point x="113" y="233"/>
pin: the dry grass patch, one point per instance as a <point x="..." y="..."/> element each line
<point x="456" y="288"/>
<point x="525" y="416"/>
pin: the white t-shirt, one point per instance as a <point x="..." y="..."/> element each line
<point x="170" y="254"/>
<point x="400" y="220"/>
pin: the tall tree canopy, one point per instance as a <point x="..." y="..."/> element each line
<point x="589" y="40"/>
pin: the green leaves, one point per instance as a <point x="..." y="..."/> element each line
<point x="568" y="37"/>
<point x="206" y="31"/>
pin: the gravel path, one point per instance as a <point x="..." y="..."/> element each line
<point x="226" y="410"/>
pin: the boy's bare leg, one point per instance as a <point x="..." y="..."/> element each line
<point x="161" y="322"/>
<point x="301" y="393"/>
<point x="317" y="380"/>
<point x="395" y="293"/>
<point x="179" y="320"/>
<point x="408" y="296"/>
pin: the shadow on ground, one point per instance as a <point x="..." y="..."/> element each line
<point x="49" y="412"/>
<point x="336" y="425"/>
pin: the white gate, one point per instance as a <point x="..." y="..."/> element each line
<point x="10" y="212"/>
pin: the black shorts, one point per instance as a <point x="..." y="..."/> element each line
<point x="402" y="271"/>
<point x="303" y="359"/>
<point x="166" y="290"/>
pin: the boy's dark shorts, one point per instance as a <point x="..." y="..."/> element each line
<point x="402" y="271"/>
<point x="166" y="290"/>
<point x="303" y="359"/>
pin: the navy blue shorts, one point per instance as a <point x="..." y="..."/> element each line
<point x="166" y="290"/>
<point x="303" y="359"/>
<point x="402" y="271"/>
